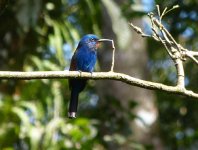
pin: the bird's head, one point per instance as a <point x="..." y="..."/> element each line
<point x="90" y="40"/>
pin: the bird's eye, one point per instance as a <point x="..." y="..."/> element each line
<point x="92" y="39"/>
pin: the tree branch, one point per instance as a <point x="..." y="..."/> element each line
<point x="176" y="52"/>
<point x="96" y="76"/>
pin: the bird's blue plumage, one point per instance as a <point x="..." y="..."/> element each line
<point x="84" y="59"/>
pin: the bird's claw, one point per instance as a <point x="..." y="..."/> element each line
<point x="80" y="72"/>
<point x="91" y="73"/>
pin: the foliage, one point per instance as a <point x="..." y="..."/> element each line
<point x="40" y="35"/>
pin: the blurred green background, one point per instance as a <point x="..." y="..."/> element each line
<point x="41" y="35"/>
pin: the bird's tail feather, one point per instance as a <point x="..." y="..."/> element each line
<point x="73" y="104"/>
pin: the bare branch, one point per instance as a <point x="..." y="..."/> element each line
<point x="113" y="56"/>
<point x="96" y="76"/>
<point x="113" y="53"/>
<point x="193" y="53"/>
<point x="180" y="73"/>
<point x="176" y="52"/>
<point x="190" y="55"/>
<point x="139" y="30"/>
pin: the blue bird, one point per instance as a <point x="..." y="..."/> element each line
<point x="84" y="59"/>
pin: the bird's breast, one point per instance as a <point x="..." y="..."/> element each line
<point x="86" y="60"/>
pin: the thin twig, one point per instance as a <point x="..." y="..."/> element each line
<point x="139" y="30"/>
<point x="174" y="7"/>
<point x="113" y="56"/>
<point x="168" y="37"/>
<point x="113" y="52"/>
<point x="158" y="11"/>
<point x="163" y="13"/>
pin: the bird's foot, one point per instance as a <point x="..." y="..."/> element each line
<point x="80" y="72"/>
<point x="91" y="73"/>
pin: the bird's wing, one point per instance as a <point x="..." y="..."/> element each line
<point x="73" y="67"/>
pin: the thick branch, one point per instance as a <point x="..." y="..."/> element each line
<point x="96" y="76"/>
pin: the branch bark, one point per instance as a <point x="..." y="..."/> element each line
<point x="96" y="76"/>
